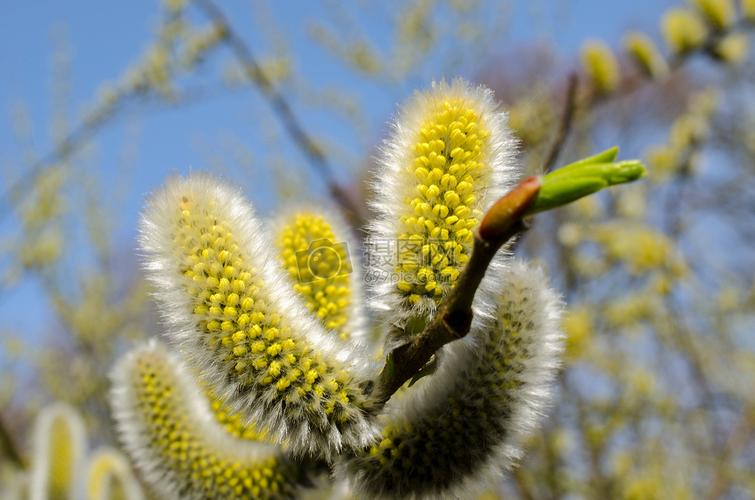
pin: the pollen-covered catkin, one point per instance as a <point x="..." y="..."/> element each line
<point x="230" y="309"/>
<point x="469" y="418"/>
<point x="165" y="423"/>
<point x="315" y="250"/>
<point x="448" y="158"/>
<point x="109" y="477"/>
<point x="59" y="440"/>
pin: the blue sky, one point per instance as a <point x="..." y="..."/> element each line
<point x="105" y="37"/>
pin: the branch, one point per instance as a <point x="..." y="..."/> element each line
<point x="567" y="118"/>
<point x="283" y="110"/>
<point x="8" y="444"/>
<point x="454" y="317"/>
<point x="61" y="152"/>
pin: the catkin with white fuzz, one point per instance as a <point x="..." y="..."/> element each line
<point x="109" y="476"/>
<point x="166" y="425"/>
<point x="59" y="445"/>
<point x="449" y="156"/>
<point x="231" y="311"/>
<point x="454" y="427"/>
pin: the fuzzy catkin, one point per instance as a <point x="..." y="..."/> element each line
<point x="469" y="418"/>
<point x="59" y="446"/>
<point x="109" y="477"/>
<point x="449" y="156"/>
<point x="230" y="309"/>
<point x="165" y="423"/>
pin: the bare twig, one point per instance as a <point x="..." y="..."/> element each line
<point x="454" y="316"/>
<point x="282" y="109"/>
<point x="9" y="446"/>
<point x="567" y="118"/>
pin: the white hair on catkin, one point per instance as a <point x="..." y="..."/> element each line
<point x="442" y="211"/>
<point x="456" y="430"/>
<point x="230" y="310"/>
<point x="109" y="475"/>
<point x="58" y="428"/>
<point x="322" y="219"/>
<point x="165" y="424"/>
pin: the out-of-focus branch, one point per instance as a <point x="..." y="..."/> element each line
<point x="61" y="152"/>
<point x="630" y="86"/>
<point x="283" y="110"/>
<point x="8" y="445"/>
<point x="567" y="118"/>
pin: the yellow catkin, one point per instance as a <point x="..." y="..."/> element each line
<point x="748" y="9"/>
<point x="719" y="14"/>
<point x="109" y="477"/>
<point x="242" y="323"/>
<point x="683" y="30"/>
<point x="60" y="459"/>
<point x="733" y="48"/>
<point x="231" y="308"/>
<point x="600" y="66"/>
<point x="187" y="456"/>
<point x="448" y="171"/>
<point x="645" y="54"/>
<point x="318" y="264"/>
<point x="59" y="445"/>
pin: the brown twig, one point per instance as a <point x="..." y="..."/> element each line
<point x="8" y="444"/>
<point x="567" y="118"/>
<point x="283" y="110"/>
<point x="454" y="316"/>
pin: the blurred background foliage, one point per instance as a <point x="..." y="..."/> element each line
<point x="655" y="398"/>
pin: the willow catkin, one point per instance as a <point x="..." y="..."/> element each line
<point x="166" y="425"/>
<point x="231" y="311"/>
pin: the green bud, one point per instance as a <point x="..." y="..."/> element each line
<point x="607" y="156"/>
<point x="584" y="177"/>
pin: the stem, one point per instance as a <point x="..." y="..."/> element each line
<point x="567" y="118"/>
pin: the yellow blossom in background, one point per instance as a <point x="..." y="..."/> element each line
<point x="577" y="325"/>
<point x="662" y="160"/>
<point x="733" y="48"/>
<point x="748" y="9"/>
<point x="641" y="248"/>
<point x="601" y="66"/>
<point x="718" y="13"/>
<point x="683" y="30"/>
<point x="646" y="55"/>
<point x="629" y="310"/>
